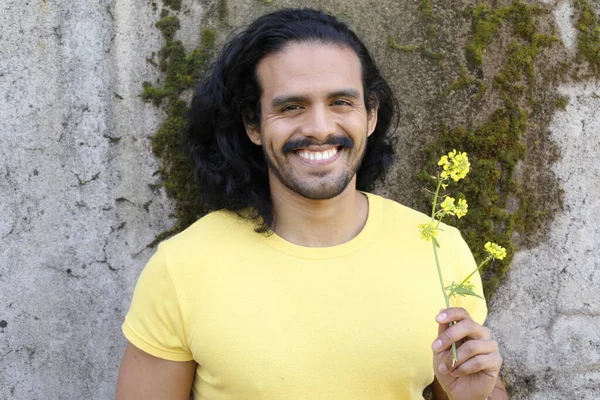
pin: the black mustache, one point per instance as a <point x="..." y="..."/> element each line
<point x="294" y="145"/>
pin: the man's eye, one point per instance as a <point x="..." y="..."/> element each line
<point x="341" y="103"/>
<point x="292" y="107"/>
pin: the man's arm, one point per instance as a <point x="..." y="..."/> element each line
<point x="143" y="376"/>
<point x="499" y="392"/>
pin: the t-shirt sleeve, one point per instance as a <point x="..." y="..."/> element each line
<point x="154" y="322"/>
<point x="464" y="265"/>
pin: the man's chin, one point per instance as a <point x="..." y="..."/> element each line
<point x="322" y="191"/>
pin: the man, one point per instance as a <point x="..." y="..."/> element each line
<point x="303" y="285"/>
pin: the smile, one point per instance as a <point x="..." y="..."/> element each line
<point x="317" y="155"/>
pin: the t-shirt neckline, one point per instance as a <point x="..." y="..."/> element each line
<point x="354" y="244"/>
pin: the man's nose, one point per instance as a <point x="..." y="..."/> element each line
<point x="320" y="123"/>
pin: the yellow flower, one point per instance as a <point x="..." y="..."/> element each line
<point x="451" y="208"/>
<point x="448" y="205"/>
<point x="455" y="165"/>
<point x="443" y="161"/>
<point x="461" y="208"/>
<point x="495" y="250"/>
<point x="428" y="231"/>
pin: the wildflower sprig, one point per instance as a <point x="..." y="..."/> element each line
<point x="455" y="166"/>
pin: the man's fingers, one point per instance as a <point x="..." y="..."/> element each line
<point x="464" y="329"/>
<point x="488" y="363"/>
<point x="449" y="315"/>
<point x="452" y="314"/>
<point x="467" y="351"/>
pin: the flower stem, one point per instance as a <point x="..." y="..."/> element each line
<point x="446" y="298"/>
<point x="476" y="269"/>
<point x="435" y="197"/>
<point x="437" y="259"/>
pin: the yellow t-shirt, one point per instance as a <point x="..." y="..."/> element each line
<point x="267" y="319"/>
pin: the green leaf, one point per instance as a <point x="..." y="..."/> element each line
<point x="462" y="290"/>
<point x="435" y="242"/>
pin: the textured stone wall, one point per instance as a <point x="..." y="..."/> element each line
<point x="79" y="205"/>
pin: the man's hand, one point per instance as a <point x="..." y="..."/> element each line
<point x="475" y="373"/>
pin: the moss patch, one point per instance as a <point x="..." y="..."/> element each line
<point x="485" y="24"/>
<point x="223" y="10"/>
<point x="588" y="38"/>
<point x="422" y="50"/>
<point x="494" y="148"/>
<point x="174" y="5"/>
<point x="499" y="207"/>
<point x="426" y="9"/>
<point x="486" y="21"/>
<point x="465" y="81"/>
<point x="181" y="70"/>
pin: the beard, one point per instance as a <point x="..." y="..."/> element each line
<point x="320" y="185"/>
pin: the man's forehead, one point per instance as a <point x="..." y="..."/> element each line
<point x="302" y="65"/>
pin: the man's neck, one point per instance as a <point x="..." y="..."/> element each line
<point x="319" y="223"/>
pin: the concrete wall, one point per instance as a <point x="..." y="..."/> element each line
<point x="77" y="213"/>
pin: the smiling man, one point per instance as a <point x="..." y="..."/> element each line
<point x="303" y="285"/>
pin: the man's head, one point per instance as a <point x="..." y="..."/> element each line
<point x="293" y="84"/>
<point x="314" y="120"/>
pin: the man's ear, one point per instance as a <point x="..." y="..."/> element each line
<point x="372" y="114"/>
<point x="252" y="131"/>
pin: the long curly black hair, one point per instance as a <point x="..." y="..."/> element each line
<point x="231" y="170"/>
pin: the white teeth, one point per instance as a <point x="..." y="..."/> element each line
<point x="317" y="155"/>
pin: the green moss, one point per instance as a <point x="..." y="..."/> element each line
<point x="223" y="10"/>
<point x="495" y="146"/>
<point x="426" y="9"/>
<point x="182" y="70"/>
<point x="517" y="74"/>
<point x="168" y="26"/>
<point x="494" y="149"/>
<point x="588" y="37"/>
<point x="561" y="102"/>
<point x="423" y="51"/>
<point x="523" y="18"/>
<point x="465" y="81"/>
<point x="173" y="4"/>
<point x="431" y="32"/>
<point x="486" y="22"/>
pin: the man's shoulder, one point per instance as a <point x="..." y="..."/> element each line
<point x="398" y="216"/>
<point x="391" y="209"/>
<point x="213" y="229"/>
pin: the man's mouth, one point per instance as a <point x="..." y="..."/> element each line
<point x="317" y="155"/>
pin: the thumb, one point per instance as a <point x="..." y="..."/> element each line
<point x="442" y="317"/>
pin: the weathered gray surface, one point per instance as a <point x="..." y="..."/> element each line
<point x="74" y="224"/>
<point x="547" y="314"/>
<point x="77" y="212"/>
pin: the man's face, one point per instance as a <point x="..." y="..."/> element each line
<point x="314" y="123"/>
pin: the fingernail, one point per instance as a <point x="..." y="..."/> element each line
<point x="443" y="369"/>
<point x="437" y="344"/>
<point x="441" y="317"/>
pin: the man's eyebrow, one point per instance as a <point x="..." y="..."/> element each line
<point x="351" y="93"/>
<point x="284" y="99"/>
